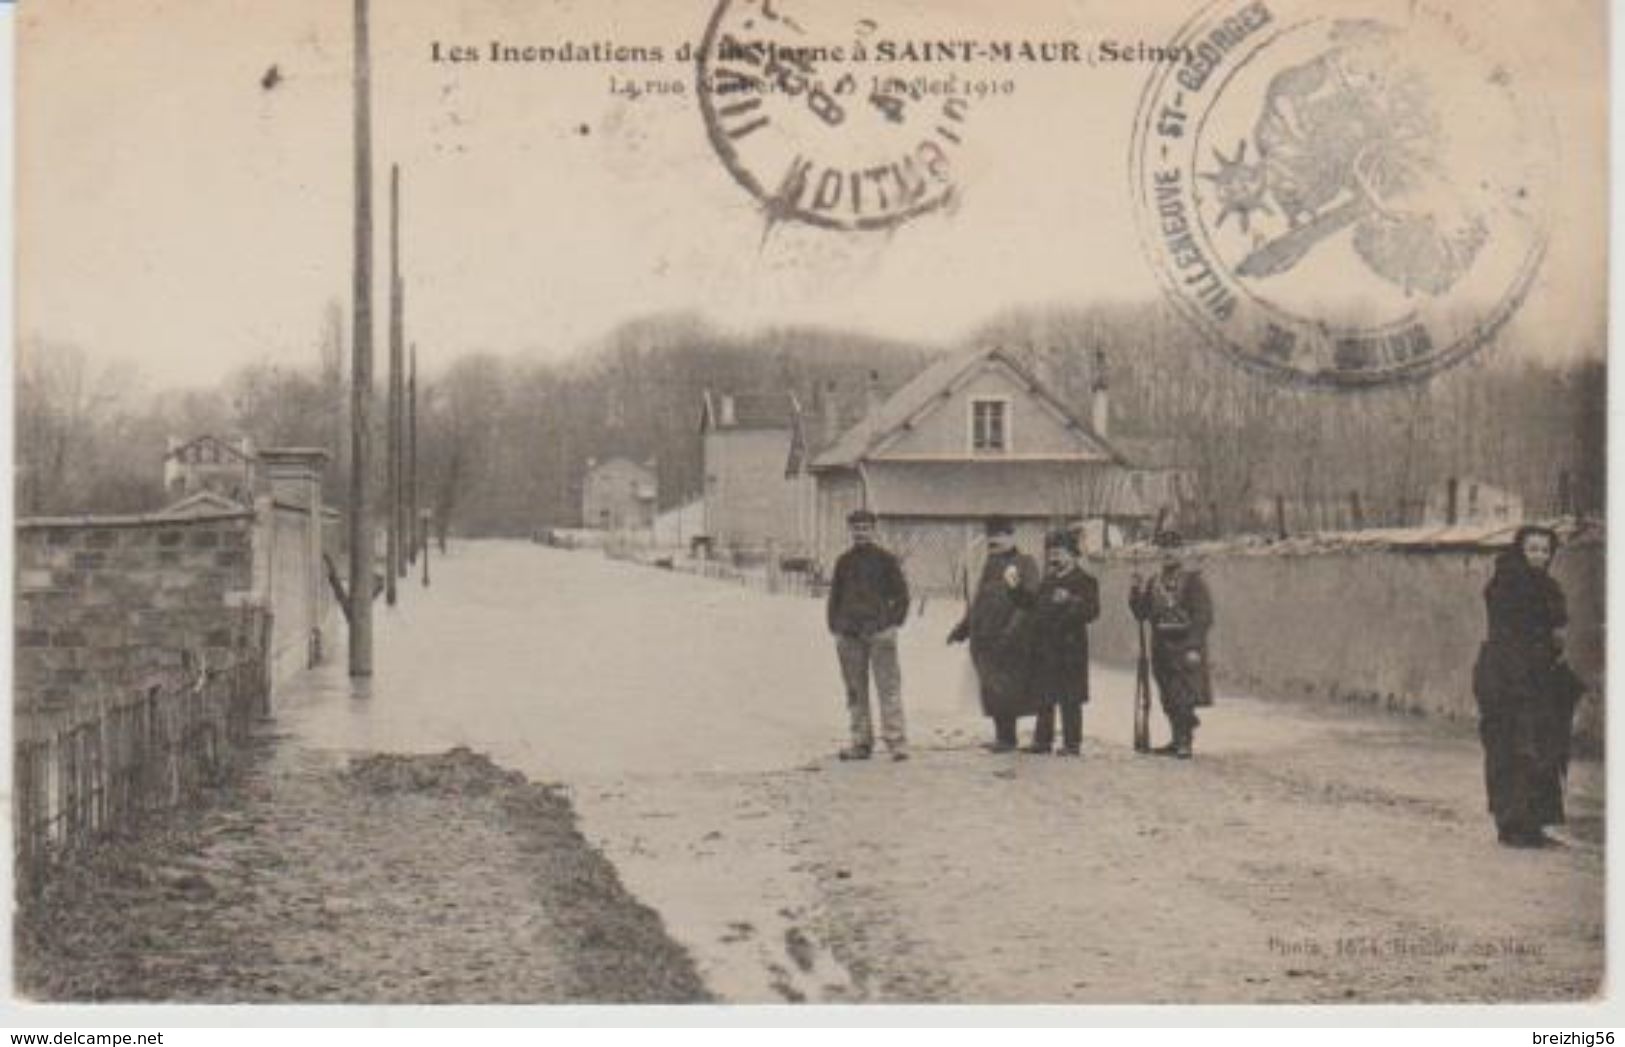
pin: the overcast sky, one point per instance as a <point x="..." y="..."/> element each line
<point x="177" y="212"/>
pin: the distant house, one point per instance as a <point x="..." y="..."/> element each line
<point x="619" y="495"/>
<point x="752" y="499"/>
<point x="975" y="434"/>
<point x="210" y="464"/>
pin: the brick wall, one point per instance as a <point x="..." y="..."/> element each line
<point x="105" y="602"/>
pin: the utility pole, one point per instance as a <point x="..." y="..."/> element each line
<point x="361" y="364"/>
<point x="424" y="515"/>
<point x="393" y="469"/>
<point x="403" y="523"/>
<point x="412" y="522"/>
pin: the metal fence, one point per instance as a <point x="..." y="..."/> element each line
<point x="95" y="768"/>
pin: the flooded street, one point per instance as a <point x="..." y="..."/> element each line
<point x="649" y="808"/>
<point x="1305" y="855"/>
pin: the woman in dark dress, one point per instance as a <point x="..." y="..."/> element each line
<point x="1526" y="692"/>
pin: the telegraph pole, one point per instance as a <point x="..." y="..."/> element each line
<point x="361" y="364"/>
<point x="412" y="529"/>
<point x="393" y="468"/>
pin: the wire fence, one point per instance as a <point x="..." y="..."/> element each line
<point x="95" y="768"/>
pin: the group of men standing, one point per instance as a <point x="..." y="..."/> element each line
<point x="1028" y="635"/>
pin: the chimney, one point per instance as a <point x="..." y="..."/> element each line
<point x="1100" y="406"/>
<point x="831" y="417"/>
<point x="872" y="397"/>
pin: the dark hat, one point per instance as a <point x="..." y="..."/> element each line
<point x="858" y="516"/>
<point x="1168" y="540"/>
<point x="1062" y="539"/>
<point x="999" y="525"/>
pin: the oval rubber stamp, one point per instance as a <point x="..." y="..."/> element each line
<point x="1342" y="193"/>
<point x="803" y="123"/>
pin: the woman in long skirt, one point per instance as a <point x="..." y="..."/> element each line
<point x="1526" y="692"/>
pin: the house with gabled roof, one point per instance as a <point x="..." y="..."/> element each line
<point x="210" y="463"/>
<point x="975" y="434"/>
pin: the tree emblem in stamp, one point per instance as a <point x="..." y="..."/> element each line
<point x="1341" y="194"/>
<point x="800" y="123"/>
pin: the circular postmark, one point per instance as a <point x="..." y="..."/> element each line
<point x="800" y="123"/>
<point x="1341" y="194"/>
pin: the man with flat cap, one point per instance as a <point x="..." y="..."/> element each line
<point x="868" y="603"/>
<point x="1175" y="600"/>
<point x="998" y="628"/>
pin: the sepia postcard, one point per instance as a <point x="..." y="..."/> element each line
<point x="824" y="502"/>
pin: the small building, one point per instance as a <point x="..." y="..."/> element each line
<point x="753" y="499"/>
<point x="975" y="434"/>
<point x="619" y="495"/>
<point x="211" y="464"/>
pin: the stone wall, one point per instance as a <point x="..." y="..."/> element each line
<point x="1395" y="629"/>
<point x="293" y="583"/>
<point x="105" y="602"/>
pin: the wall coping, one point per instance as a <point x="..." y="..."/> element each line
<point x="327" y="512"/>
<point x="291" y="455"/>
<point x="132" y="520"/>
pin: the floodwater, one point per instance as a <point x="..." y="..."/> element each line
<point x="693" y="723"/>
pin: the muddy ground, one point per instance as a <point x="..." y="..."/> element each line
<point x="380" y="879"/>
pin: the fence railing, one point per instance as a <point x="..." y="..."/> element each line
<point x="97" y="767"/>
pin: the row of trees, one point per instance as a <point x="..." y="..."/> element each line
<point x="1333" y="458"/>
<point x="504" y="439"/>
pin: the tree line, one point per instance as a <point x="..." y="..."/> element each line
<point x="504" y="438"/>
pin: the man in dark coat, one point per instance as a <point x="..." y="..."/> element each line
<point x="1068" y="600"/>
<point x="1175" y="600"/>
<point x="996" y="626"/>
<point x="1526" y="693"/>
<point x="868" y="603"/>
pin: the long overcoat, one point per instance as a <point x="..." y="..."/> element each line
<point x="999" y="621"/>
<point x="1180" y="609"/>
<point x="1526" y="694"/>
<point x="1062" y="610"/>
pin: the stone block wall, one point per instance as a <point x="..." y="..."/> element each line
<point x="106" y="602"/>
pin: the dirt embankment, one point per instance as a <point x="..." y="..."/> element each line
<point x="387" y="879"/>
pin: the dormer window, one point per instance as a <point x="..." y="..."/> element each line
<point x="990" y="426"/>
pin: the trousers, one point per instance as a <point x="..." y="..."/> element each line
<point x="860" y="656"/>
<point x="1071" y="725"/>
<point x="1178" y="687"/>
